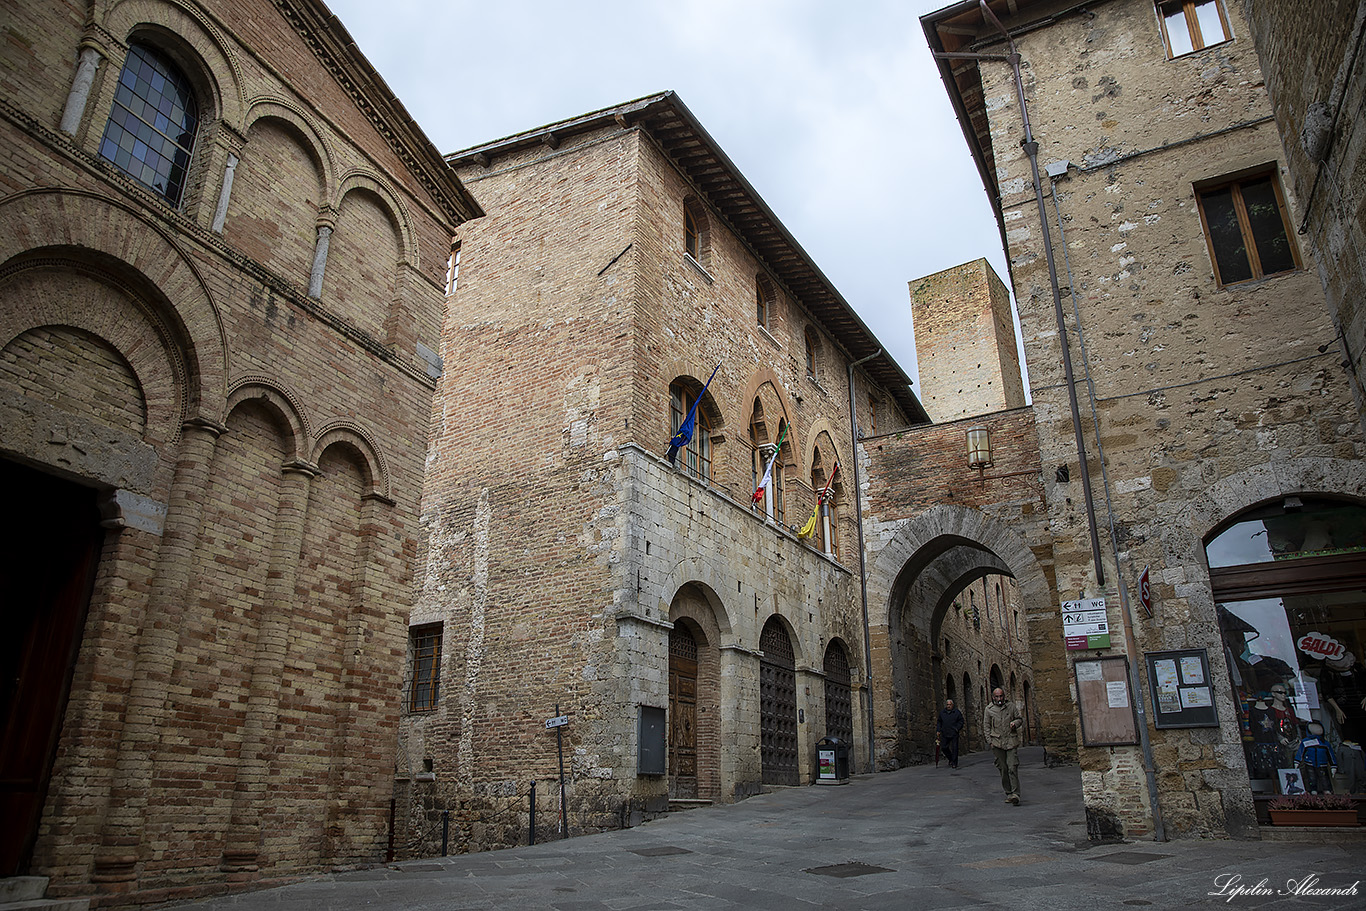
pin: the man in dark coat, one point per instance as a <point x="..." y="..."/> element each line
<point x="949" y="726"/>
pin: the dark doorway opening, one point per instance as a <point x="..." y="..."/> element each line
<point x="49" y="550"/>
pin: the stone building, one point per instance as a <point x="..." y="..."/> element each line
<point x="1312" y="59"/>
<point x="222" y="253"/>
<point x="1211" y="440"/>
<point x="625" y="271"/>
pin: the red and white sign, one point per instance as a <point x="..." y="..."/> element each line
<point x="1318" y="645"/>
<point x="1145" y="592"/>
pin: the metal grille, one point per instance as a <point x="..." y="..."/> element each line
<point x="777" y="706"/>
<point x="839" y="701"/>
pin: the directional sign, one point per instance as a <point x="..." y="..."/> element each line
<point x="557" y="721"/>
<point x="1145" y="592"/>
<point x="1085" y="624"/>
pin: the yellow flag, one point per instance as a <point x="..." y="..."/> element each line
<point x="809" y="528"/>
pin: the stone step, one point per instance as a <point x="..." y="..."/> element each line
<point x="22" y="888"/>
<point x="678" y="804"/>
<point x="25" y="893"/>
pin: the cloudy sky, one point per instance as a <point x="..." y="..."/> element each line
<point x="834" y="113"/>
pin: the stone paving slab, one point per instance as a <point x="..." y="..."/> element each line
<point x="945" y="839"/>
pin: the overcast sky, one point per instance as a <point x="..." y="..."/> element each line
<point x="835" y="113"/>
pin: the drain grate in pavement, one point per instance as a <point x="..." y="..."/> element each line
<point x="1132" y="857"/>
<point x="662" y="851"/>
<point x="844" y="871"/>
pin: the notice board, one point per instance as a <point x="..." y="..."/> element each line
<point x="1183" y="694"/>
<point x="1107" y="706"/>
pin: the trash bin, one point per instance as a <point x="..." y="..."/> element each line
<point x="832" y="761"/>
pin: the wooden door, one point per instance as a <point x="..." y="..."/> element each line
<point x="777" y="706"/>
<point x="682" y="713"/>
<point x="48" y="553"/>
<point x="839" y="697"/>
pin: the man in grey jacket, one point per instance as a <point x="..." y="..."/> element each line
<point x="1003" y="725"/>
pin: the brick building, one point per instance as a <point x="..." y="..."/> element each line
<point x="569" y="567"/>
<point x="1218" y="431"/>
<point x="224" y="250"/>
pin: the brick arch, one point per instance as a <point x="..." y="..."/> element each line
<point x="194" y="42"/>
<point x="77" y="294"/>
<point x="280" y="400"/>
<point x="306" y="130"/>
<point x="398" y="213"/>
<point x="820" y="426"/>
<point x="116" y="239"/>
<point x="371" y="457"/>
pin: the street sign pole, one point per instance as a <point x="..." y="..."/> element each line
<point x="559" y="743"/>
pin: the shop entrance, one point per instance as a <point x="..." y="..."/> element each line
<point x="1289" y="581"/>
<point x="48" y="553"/>
<point x="777" y="705"/>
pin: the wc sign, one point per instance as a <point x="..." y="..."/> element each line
<point x="1085" y="624"/>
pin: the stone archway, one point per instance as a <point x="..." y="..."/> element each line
<point x="916" y="576"/>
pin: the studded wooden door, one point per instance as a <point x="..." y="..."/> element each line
<point x="777" y="706"/>
<point x="839" y="703"/>
<point x="682" y="713"/>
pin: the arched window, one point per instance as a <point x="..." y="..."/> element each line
<point x="696" y="231"/>
<point x="827" y="518"/>
<point x="763" y="301"/>
<point x="151" y="130"/>
<point x="812" y="355"/>
<point x="771" y="501"/>
<point x="697" y="454"/>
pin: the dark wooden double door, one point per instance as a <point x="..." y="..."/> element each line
<point x="49" y="548"/>
<point x="777" y="705"/>
<point x="682" y="713"/>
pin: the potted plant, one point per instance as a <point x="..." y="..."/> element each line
<point x="1313" y="810"/>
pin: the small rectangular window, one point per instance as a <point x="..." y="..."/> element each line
<point x="1192" y="25"/>
<point x="453" y="270"/>
<point x="425" y="645"/>
<point x="1247" y="229"/>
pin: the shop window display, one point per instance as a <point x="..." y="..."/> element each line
<point x="1290" y="582"/>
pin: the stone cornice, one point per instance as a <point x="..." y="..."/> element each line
<point x="337" y="52"/>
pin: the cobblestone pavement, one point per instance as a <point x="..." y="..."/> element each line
<point x="917" y="838"/>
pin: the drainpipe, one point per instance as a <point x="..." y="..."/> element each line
<point x="862" y="566"/>
<point x="1031" y="148"/>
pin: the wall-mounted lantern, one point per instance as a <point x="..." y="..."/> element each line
<point x="979" y="448"/>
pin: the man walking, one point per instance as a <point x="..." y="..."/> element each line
<point x="1003" y="724"/>
<point x="949" y="726"/>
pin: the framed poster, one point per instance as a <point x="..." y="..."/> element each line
<point x="1103" y="697"/>
<point x="1182" y="691"/>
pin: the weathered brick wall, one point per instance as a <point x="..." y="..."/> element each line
<point x="1200" y="390"/>
<point x="283" y="438"/>
<point x="934" y="527"/>
<point x="559" y="544"/>
<point x="965" y="342"/>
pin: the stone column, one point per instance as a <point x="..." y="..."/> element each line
<point x="116" y="857"/>
<point x="243" y="842"/>
<point x="220" y="215"/>
<point x="315" y="276"/>
<point x="80" y="89"/>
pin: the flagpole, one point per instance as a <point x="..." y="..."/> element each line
<point x="862" y="565"/>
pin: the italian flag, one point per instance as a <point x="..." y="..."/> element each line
<point x="768" y="472"/>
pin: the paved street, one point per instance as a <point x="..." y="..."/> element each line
<point x="921" y="838"/>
